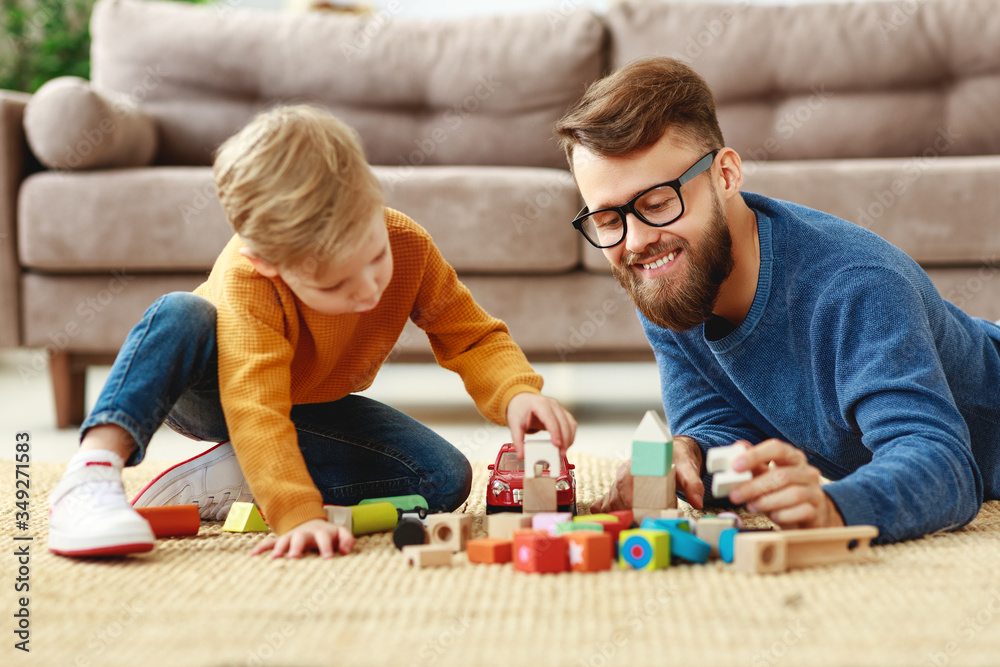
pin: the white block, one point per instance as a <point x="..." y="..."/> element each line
<point x="721" y="458"/>
<point x="541" y="450"/>
<point x="724" y="482"/>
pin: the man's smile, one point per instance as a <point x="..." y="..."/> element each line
<point x="658" y="265"/>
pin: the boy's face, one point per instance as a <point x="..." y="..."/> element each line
<point x="352" y="285"/>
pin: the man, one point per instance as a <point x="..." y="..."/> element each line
<point x="815" y="340"/>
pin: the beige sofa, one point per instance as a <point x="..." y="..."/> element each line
<point x="882" y="113"/>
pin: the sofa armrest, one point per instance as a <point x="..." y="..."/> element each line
<point x="15" y="160"/>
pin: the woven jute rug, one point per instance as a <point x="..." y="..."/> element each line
<point x="204" y="601"/>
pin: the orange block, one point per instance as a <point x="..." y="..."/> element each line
<point x="589" y="551"/>
<point x="172" y="520"/>
<point x="537" y="551"/>
<point x="489" y="550"/>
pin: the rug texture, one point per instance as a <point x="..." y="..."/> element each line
<point x="204" y="601"/>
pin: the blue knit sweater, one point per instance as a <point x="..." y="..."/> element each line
<point x="850" y="354"/>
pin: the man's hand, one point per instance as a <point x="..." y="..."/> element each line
<point x="316" y="534"/>
<point x="687" y="463"/>
<point x="788" y="492"/>
<point x="529" y="413"/>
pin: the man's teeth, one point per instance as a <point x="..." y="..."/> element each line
<point x="660" y="262"/>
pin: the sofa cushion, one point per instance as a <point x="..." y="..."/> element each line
<point x="939" y="211"/>
<point x="833" y="80"/>
<point x="69" y="125"/>
<point x="484" y="219"/>
<point x="479" y="90"/>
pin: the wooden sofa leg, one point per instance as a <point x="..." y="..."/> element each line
<point x="69" y="380"/>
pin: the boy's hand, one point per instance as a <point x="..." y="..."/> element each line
<point x="687" y="463"/>
<point x="316" y="534"/>
<point x="529" y="413"/>
<point x="788" y="492"/>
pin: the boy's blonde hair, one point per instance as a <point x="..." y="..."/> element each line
<point x="296" y="187"/>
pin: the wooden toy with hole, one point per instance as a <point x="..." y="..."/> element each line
<point x="767" y="552"/>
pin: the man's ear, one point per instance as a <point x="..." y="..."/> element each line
<point x="730" y="173"/>
<point x="263" y="267"/>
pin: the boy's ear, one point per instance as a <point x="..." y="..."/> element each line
<point x="263" y="267"/>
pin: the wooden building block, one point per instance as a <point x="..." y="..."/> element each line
<point x="652" y="459"/>
<point x="625" y="517"/>
<point x="537" y="551"/>
<point x="643" y="549"/>
<point x="373" y="518"/>
<point x="725" y="481"/>
<point x="502" y="526"/>
<point x="489" y="550"/>
<point x="672" y="513"/>
<point x="244" y="518"/>
<point x="539" y="494"/>
<point x="172" y="520"/>
<point x="427" y="555"/>
<point x="590" y="551"/>
<point x="548" y="521"/>
<point x="719" y="459"/>
<point x="579" y="526"/>
<point x="760" y="553"/>
<point x="652" y="447"/>
<point x="709" y="529"/>
<point x="655" y="492"/>
<point x="537" y="452"/>
<point x="449" y="530"/>
<point x="340" y="515"/>
<point x="777" y="551"/>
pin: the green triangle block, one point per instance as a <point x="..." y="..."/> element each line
<point x="244" y="518"/>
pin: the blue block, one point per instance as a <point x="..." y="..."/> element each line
<point x="682" y="543"/>
<point x="726" y="545"/>
<point x="654" y="523"/>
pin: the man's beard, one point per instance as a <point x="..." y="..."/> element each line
<point x="670" y="302"/>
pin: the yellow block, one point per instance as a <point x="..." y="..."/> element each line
<point x="244" y="518"/>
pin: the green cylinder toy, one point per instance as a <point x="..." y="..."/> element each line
<point x="373" y="518"/>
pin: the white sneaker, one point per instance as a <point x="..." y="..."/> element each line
<point x="212" y="480"/>
<point x="89" y="514"/>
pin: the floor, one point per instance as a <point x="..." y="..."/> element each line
<point x="607" y="399"/>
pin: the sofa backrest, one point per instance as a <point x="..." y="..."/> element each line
<point x="849" y="80"/>
<point x="480" y="90"/>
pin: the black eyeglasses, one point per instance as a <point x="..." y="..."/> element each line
<point x="657" y="206"/>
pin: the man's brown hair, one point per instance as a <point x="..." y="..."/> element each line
<point x="631" y="108"/>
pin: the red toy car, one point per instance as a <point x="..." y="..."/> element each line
<point x="503" y="491"/>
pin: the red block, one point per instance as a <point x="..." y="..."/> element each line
<point x="172" y="520"/>
<point x="625" y="517"/>
<point x="537" y="551"/>
<point x="589" y="551"/>
<point x="489" y="550"/>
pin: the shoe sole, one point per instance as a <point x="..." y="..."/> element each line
<point x="117" y="550"/>
<point x="126" y="542"/>
<point x="168" y="476"/>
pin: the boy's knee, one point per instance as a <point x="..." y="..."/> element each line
<point x="187" y="311"/>
<point x="456" y="491"/>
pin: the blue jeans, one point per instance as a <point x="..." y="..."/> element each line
<point x="354" y="448"/>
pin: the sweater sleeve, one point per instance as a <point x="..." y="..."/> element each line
<point x="255" y="358"/>
<point x="467" y="340"/>
<point x="694" y="405"/>
<point x="874" y="341"/>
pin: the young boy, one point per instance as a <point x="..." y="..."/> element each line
<point x="301" y="309"/>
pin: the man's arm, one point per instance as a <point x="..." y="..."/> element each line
<point x="888" y="379"/>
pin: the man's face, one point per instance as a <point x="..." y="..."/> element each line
<point x="672" y="273"/>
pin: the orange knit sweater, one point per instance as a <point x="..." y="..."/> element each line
<point x="276" y="352"/>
